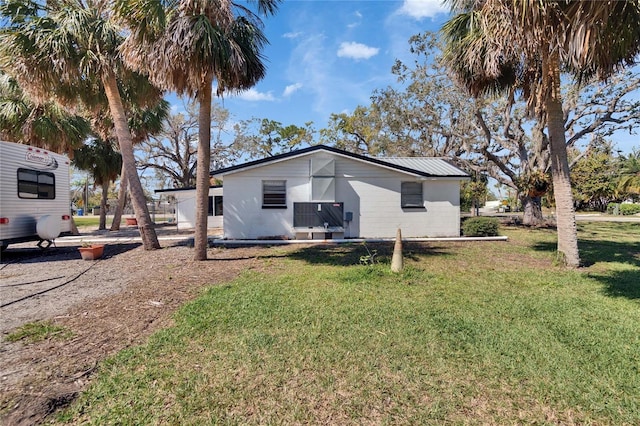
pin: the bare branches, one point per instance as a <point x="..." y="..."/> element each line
<point x="604" y="108"/>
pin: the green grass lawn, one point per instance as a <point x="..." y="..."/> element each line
<point x="87" y="220"/>
<point x="470" y="333"/>
<point x="94" y="221"/>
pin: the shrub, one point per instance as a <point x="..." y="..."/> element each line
<point x="613" y="208"/>
<point x="629" y="209"/>
<point x="480" y="227"/>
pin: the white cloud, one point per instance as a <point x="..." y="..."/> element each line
<point x="356" y="24"/>
<point x="255" y="96"/>
<point x="289" y="90"/>
<point x="356" y="50"/>
<point x="420" y="9"/>
<point x="292" y="35"/>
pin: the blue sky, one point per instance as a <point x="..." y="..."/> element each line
<point x="328" y="56"/>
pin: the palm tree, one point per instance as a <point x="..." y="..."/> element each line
<point x="45" y="125"/>
<point x="185" y="46"/>
<point x="70" y="48"/>
<point x="494" y="45"/>
<point x="629" y="182"/>
<point x="143" y="123"/>
<point x="104" y="163"/>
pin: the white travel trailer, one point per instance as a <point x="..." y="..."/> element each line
<point x="34" y="194"/>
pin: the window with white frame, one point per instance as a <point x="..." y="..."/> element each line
<point x="411" y="195"/>
<point x="274" y="194"/>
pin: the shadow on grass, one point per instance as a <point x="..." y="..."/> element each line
<point x="351" y="253"/>
<point x="624" y="283"/>
<point x="609" y="251"/>
<point x="620" y="283"/>
<point x="600" y="251"/>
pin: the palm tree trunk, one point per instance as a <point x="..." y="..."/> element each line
<point x="200" y="241"/>
<point x="145" y="226"/>
<point x="103" y="205"/>
<point x="565" y="212"/>
<point x="122" y="198"/>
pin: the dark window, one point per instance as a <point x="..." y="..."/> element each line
<point x="36" y="184"/>
<point x="215" y="205"/>
<point x="411" y="195"/>
<point x="274" y="194"/>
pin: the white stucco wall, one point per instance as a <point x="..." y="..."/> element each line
<point x="370" y="192"/>
<point x="186" y="209"/>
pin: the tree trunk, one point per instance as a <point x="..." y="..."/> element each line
<point x="74" y="227"/>
<point x="565" y="212"/>
<point x="532" y="207"/>
<point x="103" y="206"/>
<point x="145" y="226"/>
<point x="122" y="199"/>
<point x="200" y="241"/>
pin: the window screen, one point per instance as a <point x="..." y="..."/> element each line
<point x="411" y="195"/>
<point x="36" y="184"/>
<point x="274" y="193"/>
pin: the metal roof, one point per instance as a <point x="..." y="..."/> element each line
<point x="421" y="166"/>
<point x="429" y="165"/>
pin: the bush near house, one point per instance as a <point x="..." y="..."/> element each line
<point x="629" y="209"/>
<point x="480" y="227"/>
<point x="623" y="209"/>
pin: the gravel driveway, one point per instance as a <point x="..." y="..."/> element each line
<point x="106" y="305"/>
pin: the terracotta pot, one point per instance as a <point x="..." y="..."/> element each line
<point x="131" y="221"/>
<point x="93" y="252"/>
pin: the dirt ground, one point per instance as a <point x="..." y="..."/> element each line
<point x="108" y="305"/>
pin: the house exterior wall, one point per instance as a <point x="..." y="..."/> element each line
<point x="372" y="193"/>
<point x="186" y="209"/>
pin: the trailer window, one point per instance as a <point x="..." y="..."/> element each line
<point x="36" y="184"/>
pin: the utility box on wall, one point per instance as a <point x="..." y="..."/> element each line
<point x="314" y="215"/>
<point x="316" y="219"/>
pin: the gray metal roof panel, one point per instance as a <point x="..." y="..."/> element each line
<point x="429" y="165"/>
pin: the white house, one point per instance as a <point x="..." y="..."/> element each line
<point x="186" y="206"/>
<point x="325" y="192"/>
